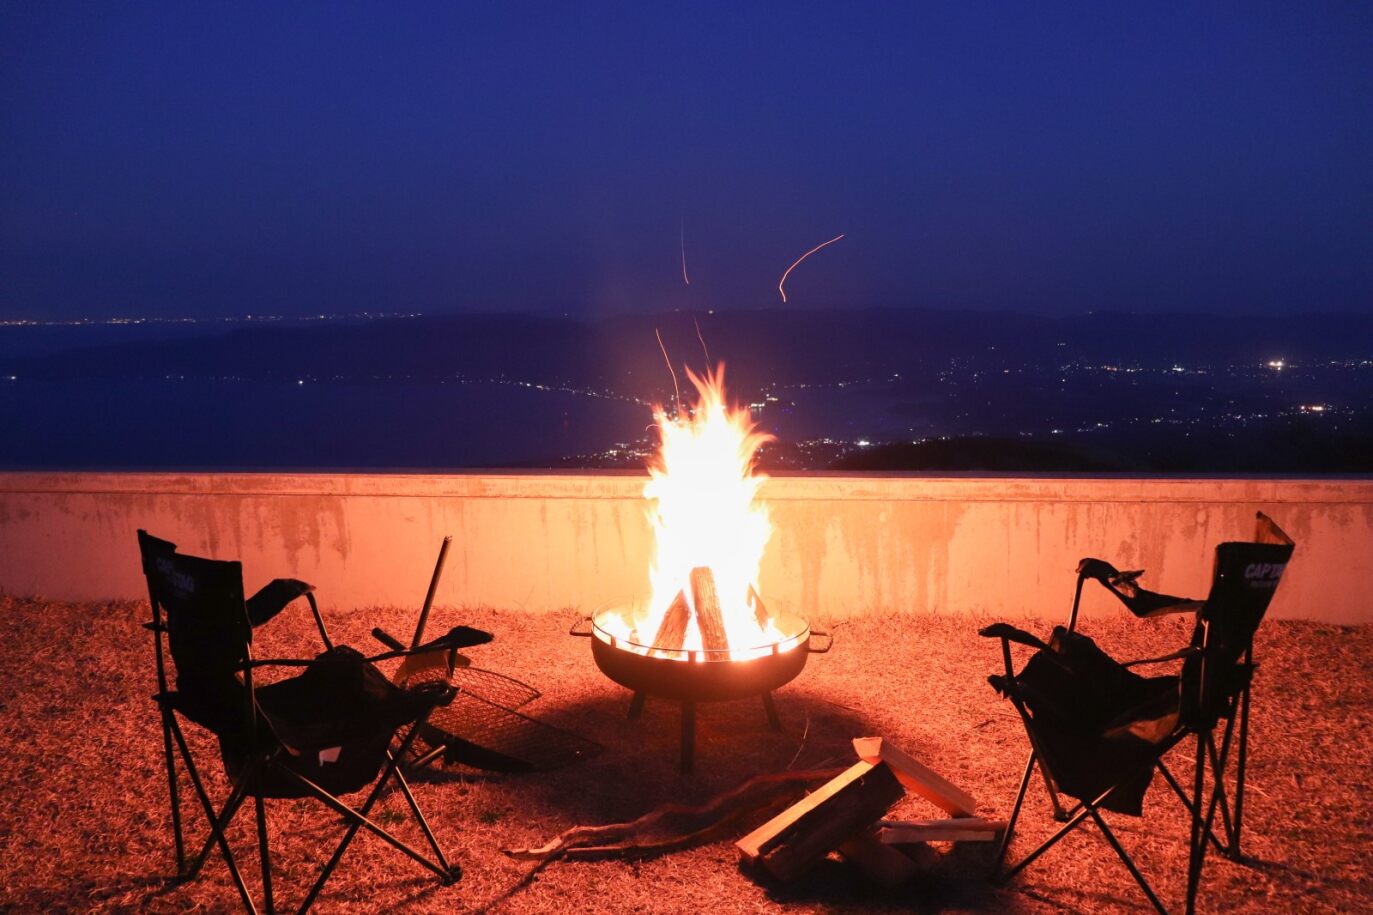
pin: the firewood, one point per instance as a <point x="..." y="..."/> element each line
<point x="883" y="864"/>
<point x="760" y="612"/>
<point x="672" y="630"/>
<point x="675" y="825"/>
<point x="794" y="840"/>
<point x="708" y="613"/>
<point x="916" y="778"/>
<point x="957" y="829"/>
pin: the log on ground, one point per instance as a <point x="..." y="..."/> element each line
<point x="883" y="864"/>
<point x="918" y="780"/>
<point x="956" y="829"/>
<point x="798" y="837"/>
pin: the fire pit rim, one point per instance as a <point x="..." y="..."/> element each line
<point x="792" y="642"/>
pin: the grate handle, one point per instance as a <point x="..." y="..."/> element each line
<point x="577" y="631"/>
<point x="822" y="634"/>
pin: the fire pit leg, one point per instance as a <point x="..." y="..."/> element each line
<point x="636" y="705"/>
<point x="688" y="737"/>
<point x="773" y="721"/>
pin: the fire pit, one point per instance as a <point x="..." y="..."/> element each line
<point x="689" y="676"/>
<point x="705" y="634"/>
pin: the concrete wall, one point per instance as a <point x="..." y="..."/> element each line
<point x="1001" y="546"/>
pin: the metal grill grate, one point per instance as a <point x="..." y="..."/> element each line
<point x="481" y="728"/>
<point x="486" y="735"/>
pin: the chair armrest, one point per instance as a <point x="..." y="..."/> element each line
<point x="1125" y="586"/>
<point x="1098" y="569"/>
<point x="387" y="639"/>
<point x="1009" y="633"/>
<point x="273" y="598"/>
<point x="452" y="640"/>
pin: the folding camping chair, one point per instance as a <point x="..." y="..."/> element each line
<point x="1098" y="730"/>
<point x="324" y="732"/>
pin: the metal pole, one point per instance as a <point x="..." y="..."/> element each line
<point x="429" y="597"/>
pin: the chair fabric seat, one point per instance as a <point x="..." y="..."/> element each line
<point x="1097" y="722"/>
<point x="333" y="723"/>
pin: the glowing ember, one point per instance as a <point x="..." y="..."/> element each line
<point x="783" y="281"/>
<point x="705" y="515"/>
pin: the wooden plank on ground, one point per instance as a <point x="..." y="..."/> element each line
<point x="798" y="837"/>
<point x="883" y="864"/>
<point x="916" y="778"/>
<point x="957" y="829"/>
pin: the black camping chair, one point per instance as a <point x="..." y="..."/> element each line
<point x="1098" y="730"/>
<point x="322" y="733"/>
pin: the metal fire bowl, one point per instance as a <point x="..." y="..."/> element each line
<point x="703" y="676"/>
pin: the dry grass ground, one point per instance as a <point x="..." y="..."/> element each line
<point x="84" y="821"/>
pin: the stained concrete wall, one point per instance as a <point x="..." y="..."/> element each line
<point x="843" y="545"/>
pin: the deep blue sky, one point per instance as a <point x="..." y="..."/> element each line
<point x="227" y="158"/>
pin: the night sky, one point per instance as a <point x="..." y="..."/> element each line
<point x="223" y="159"/>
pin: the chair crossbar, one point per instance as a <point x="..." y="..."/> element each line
<point x="216" y="832"/>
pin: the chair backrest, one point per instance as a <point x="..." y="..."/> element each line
<point x="1245" y="579"/>
<point x="207" y="630"/>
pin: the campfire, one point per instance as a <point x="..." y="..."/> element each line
<point x="703" y="634"/>
<point x="710" y="530"/>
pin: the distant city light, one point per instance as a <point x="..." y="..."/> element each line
<point x="1276" y="364"/>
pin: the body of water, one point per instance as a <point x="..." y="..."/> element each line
<point x="184" y="424"/>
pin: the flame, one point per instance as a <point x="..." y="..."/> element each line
<point x="704" y="511"/>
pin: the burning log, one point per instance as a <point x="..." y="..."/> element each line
<point x="709" y="616"/>
<point x="791" y="842"/>
<point x="760" y="613"/>
<point x="672" y="631"/>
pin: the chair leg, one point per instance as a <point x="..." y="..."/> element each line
<point x="1218" y="763"/>
<point x="419" y="817"/>
<point x="1015" y="814"/>
<point x="428" y="759"/>
<point x="264" y="855"/>
<point x="1081" y="812"/>
<point x="1197" y="847"/>
<point x="1239" y="774"/>
<point x="226" y="815"/>
<point x="1059" y="813"/>
<point x="178" y="837"/>
<point x="1073" y="823"/>
<point x="358" y="818"/>
<point x="215" y="829"/>
<point x="1186" y="801"/>
<point x="1128" y="861"/>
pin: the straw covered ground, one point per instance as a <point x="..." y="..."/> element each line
<point x="84" y="819"/>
